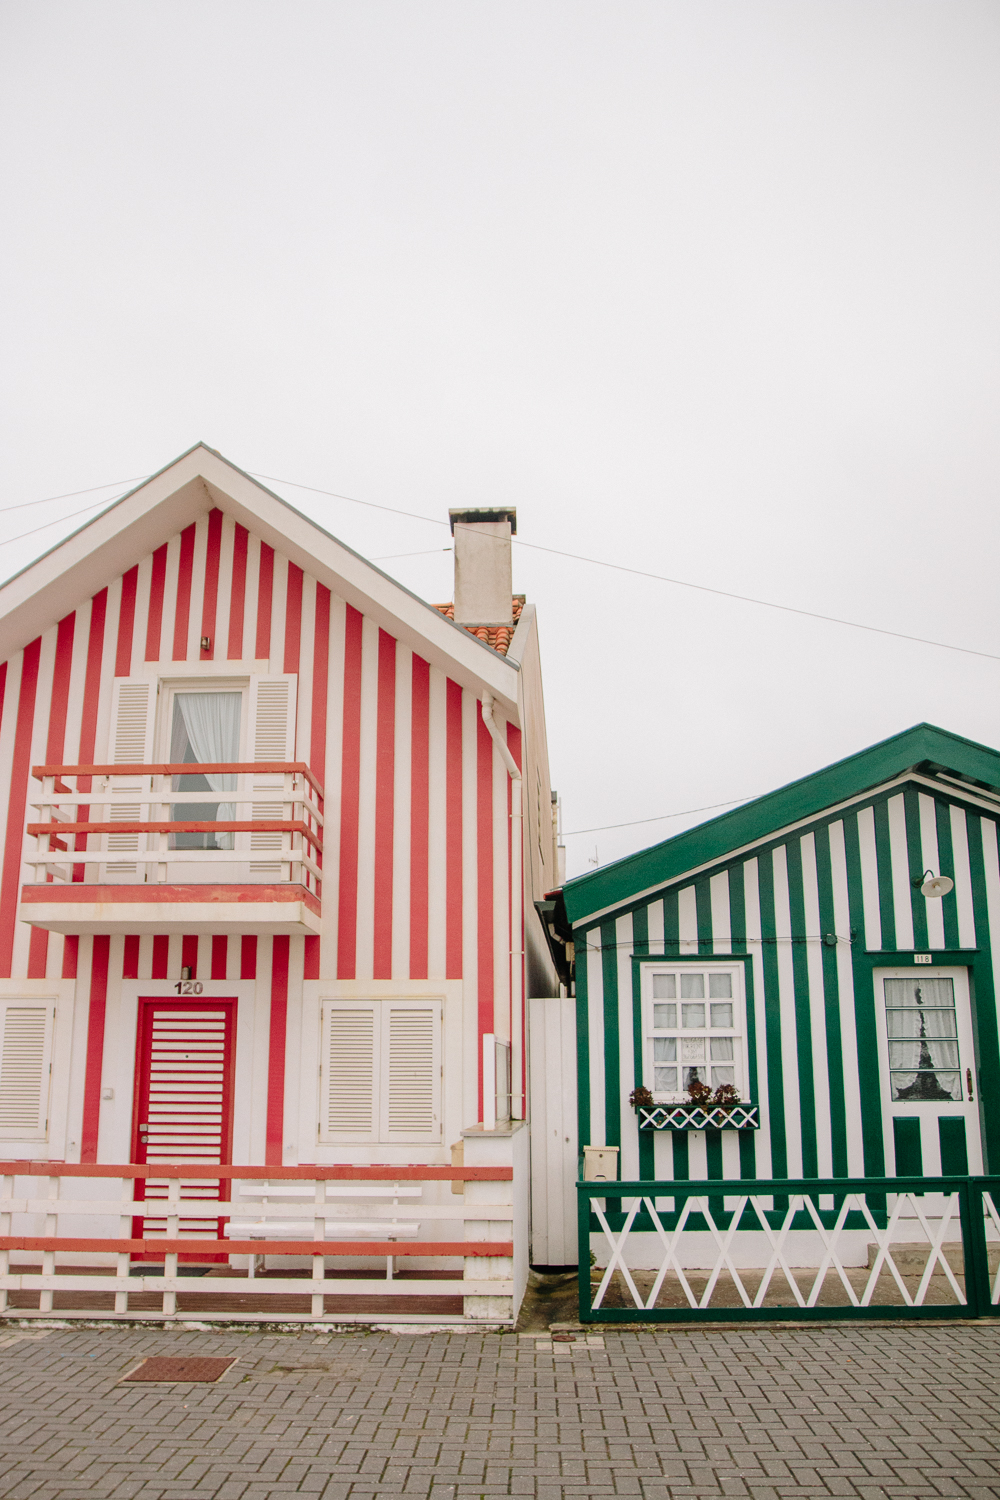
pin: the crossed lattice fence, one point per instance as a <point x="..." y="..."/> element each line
<point x="802" y="1248"/>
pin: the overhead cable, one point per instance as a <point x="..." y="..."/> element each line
<point x="684" y="583"/>
<point x="604" y="827"/>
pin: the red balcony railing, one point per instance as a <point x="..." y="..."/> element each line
<point x="116" y="825"/>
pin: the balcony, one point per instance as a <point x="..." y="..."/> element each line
<point x="122" y="849"/>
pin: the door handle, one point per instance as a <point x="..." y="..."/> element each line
<point x="968" y="1082"/>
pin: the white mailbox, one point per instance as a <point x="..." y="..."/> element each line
<point x="600" y="1163"/>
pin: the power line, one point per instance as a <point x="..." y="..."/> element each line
<point x="387" y="557"/>
<point x="733" y="801"/>
<point x="684" y="583"/>
<point x="71" y="517"/>
<point x="596" y="562"/>
<point x="790" y="609"/>
<point x="333" y="495"/>
<point x="70" y="495"/>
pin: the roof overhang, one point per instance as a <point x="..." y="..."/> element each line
<point x="138" y="523"/>
<point x="949" y="760"/>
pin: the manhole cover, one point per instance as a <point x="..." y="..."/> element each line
<point x="161" y="1368"/>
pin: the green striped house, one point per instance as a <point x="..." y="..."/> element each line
<point x="788" y="950"/>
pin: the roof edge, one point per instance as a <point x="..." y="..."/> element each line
<point x="922" y="744"/>
<point x="107" y="544"/>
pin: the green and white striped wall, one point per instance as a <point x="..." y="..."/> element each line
<point x="845" y="869"/>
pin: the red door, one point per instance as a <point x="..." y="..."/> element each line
<point x="183" y="1108"/>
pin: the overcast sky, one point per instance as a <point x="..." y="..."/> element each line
<point x="708" y="289"/>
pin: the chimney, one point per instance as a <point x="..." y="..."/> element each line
<point x="483" y="587"/>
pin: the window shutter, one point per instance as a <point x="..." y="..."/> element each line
<point x="411" y="1072"/>
<point x="272" y="737"/>
<point x="25" y="1045"/>
<point x="349" y="1072"/>
<point x="131" y="744"/>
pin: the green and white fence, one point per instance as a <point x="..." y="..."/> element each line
<point x="834" y="1248"/>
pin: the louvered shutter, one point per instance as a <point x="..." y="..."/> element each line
<point x="272" y="738"/>
<point x="132" y="705"/>
<point x="25" y="1047"/>
<point x="349" y="1072"/>
<point x="411" y="1071"/>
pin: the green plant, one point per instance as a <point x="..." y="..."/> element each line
<point x="699" y="1093"/>
<point x="726" y="1095"/>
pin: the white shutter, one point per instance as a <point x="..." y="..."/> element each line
<point x="380" y="1071"/>
<point x="411" y="1071"/>
<point x="132" y="705"/>
<point x="349" y="1072"/>
<point x="25" y="1048"/>
<point x="272" y="737"/>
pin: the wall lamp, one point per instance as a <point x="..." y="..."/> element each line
<point x="930" y="885"/>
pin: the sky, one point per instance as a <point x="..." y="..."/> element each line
<point x="705" y="289"/>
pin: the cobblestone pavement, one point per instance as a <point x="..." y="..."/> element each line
<point x="763" y="1412"/>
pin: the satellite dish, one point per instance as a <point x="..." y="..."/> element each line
<point x="936" y="885"/>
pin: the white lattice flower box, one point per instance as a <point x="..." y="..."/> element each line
<point x="686" y="1117"/>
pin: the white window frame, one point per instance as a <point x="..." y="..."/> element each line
<point x="737" y="1031"/>
<point x="381" y="1134"/>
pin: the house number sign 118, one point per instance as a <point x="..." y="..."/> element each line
<point x="188" y="987"/>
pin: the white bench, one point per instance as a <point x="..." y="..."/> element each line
<point x="264" y="1227"/>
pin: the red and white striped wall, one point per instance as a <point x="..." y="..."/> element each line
<point x="417" y="866"/>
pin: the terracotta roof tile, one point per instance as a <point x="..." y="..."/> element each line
<point x="497" y="636"/>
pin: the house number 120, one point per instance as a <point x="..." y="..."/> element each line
<point x="188" y="987"/>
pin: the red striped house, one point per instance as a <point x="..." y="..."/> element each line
<point x="273" y="834"/>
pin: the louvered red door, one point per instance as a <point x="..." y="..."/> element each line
<point x="184" y="1104"/>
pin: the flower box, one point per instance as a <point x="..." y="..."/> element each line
<point x="698" y="1117"/>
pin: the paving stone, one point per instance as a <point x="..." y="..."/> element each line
<point x="732" y="1414"/>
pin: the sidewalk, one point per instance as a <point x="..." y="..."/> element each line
<point x="768" y="1412"/>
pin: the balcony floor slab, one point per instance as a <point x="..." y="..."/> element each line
<point x="83" y="908"/>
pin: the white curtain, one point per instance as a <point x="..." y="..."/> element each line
<point x="211" y="722"/>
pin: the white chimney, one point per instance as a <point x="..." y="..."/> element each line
<point x="483" y="587"/>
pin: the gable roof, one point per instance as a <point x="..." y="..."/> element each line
<point x="923" y="748"/>
<point x="191" y="486"/>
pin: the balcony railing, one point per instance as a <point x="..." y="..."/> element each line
<point x="115" y="825"/>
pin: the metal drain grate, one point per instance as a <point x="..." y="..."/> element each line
<point x="161" y="1368"/>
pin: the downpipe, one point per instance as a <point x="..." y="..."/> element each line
<point x="517" y="890"/>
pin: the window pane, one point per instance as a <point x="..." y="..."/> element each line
<point x="720" y="986"/>
<point x="723" y="1075"/>
<point x="665" y="1080"/>
<point x="664" y="987"/>
<point x="722" y="1049"/>
<point x="205" y="729"/>
<point x="691" y="1074"/>
<point x="915" y="1022"/>
<point x="923" y="1055"/>
<point x="693" y="1049"/>
<point x="664" y="1016"/>
<point x="920" y="992"/>
<point x="693" y="1015"/>
<point x="926" y="1086"/>
<point x="722" y="1015"/>
<point x="665" y="1049"/>
<point x="692" y="986"/>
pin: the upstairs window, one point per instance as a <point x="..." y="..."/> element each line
<point x="693" y="1029"/>
<point x="205" y="729"/>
